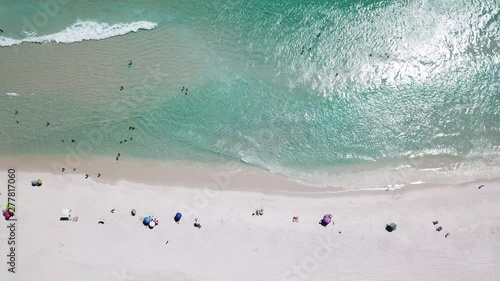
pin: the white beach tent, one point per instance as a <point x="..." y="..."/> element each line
<point x="65" y="214"/>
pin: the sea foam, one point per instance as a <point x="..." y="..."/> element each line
<point x="12" y="94"/>
<point x="81" y="31"/>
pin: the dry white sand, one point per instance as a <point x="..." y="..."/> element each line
<point x="234" y="245"/>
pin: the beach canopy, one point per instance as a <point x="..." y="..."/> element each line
<point x="327" y="219"/>
<point x="152" y="224"/>
<point x="7" y="213"/>
<point x="65" y="214"/>
<point x="147" y="220"/>
<point x="33" y="183"/>
<point x="39" y="182"/>
<point x="178" y="217"/>
<point x="391" y="227"/>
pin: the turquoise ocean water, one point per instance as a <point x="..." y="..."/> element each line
<point x="343" y="93"/>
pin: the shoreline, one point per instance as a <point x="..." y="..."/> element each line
<point x="230" y="176"/>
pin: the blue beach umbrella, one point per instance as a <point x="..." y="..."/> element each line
<point x="178" y="217"/>
<point x="147" y="220"/>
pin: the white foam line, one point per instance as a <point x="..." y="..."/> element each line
<point x="81" y="31"/>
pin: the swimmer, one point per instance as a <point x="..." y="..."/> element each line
<point x="16" y="112"/>
<point x="63" y="170"/>
<point x="130" y="138"/>
<point x="62" y="140"/>
<point x="17" y="122"/>
<point x="73" y="141"/>
<point x="119" y="155"/>
<point x="121" y="142"/>
<point x="121" y="88"/>
<point x="182" y="90"/>
<point x="129" y="64"/>
<point x="1" y="30"/>
<point x="98" y="175"/>
<point x="48" y="124"/>
<point x="86" y="176"/>
<point x="116" y="158"/>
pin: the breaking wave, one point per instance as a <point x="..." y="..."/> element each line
<point x="81" y="31"/>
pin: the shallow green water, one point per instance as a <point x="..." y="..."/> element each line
<point x="292" y="87"/>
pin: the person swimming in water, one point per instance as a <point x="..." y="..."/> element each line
<point x="16" y="112"/>
<point x="129" y="64"/>
<point x="121" y="88"/>
<point x="48" y="124"/>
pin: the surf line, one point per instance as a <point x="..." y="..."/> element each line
<point x="8" y="214"/>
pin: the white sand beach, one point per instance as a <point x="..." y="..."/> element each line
<point x="234" y="245"/>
